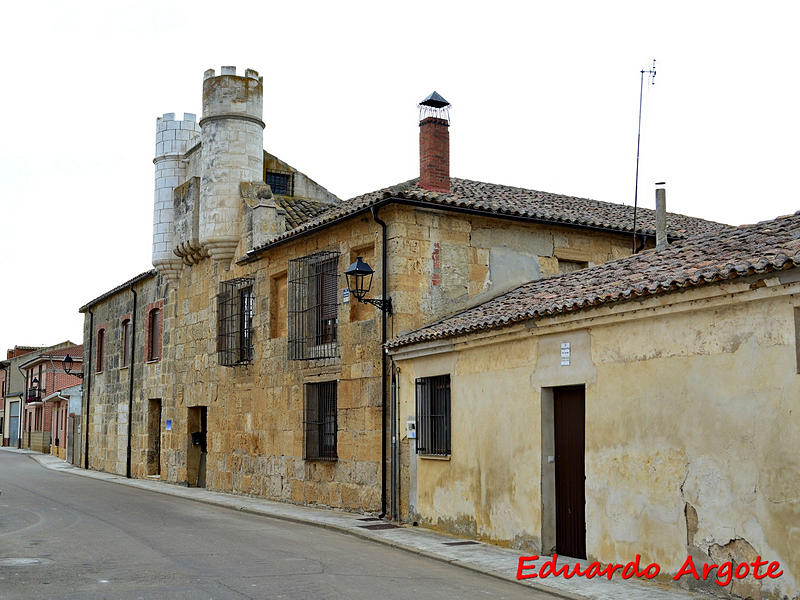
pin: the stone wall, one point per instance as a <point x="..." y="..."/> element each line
<point x="108" y="391"/>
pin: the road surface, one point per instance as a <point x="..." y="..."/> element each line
<point x="64" y="536"/>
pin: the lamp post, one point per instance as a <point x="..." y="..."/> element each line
<point x="359" y="281"/>
<point x="67" y="366"/>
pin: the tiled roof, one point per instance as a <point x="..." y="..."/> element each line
<point x="508" y="201"/>
<point x="119" y="288"/>
<point x="703" y="259"/>
<point x="300" y="210"/>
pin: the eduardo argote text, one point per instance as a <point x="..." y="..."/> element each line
<point x="722" y="573"/>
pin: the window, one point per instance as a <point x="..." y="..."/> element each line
<point x="154" y="334"/>
<point x="126" y="343"/>
<point x="235" y="322"/>
<point x="100" y="349"/>
<point x="433" y="415"/>
<point x="279" y="183"/>
<point x="313" y="306"/>
<point x="320" y="421"/>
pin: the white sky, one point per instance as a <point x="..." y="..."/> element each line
<point x="544" y="94"/>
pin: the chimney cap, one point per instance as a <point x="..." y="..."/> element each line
<point x="434" y="100"/>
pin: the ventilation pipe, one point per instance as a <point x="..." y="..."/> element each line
<point x="661" y="215"/>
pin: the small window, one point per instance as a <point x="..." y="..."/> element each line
<point x="154" y="334"/>
<point x="280" y="183"/>
<point x="433" y="415"/>
<point x="101" y="349"/>
<point x="235" y="322"/>
<point x="126" y="343"/>
<point x="320" y="421"/>
<point x="313" y="306"/>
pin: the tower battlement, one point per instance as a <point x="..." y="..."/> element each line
<point x="176" y="136"/>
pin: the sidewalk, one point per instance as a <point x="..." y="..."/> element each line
<point x="475" y="556"/>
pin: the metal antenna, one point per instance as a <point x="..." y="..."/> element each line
<point x="651" y="76"/>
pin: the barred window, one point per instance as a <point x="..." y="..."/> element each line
<point x="433" y="415"/>
<point x="235" y="322"/>
<point x="319" y="421"/>
<point x="313" y="306"/>
<point x="280" y="183"/>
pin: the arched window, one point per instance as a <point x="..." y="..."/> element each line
<point x="126" y="343"/>
<point x="154" y="334"/>
<point x="101" y="349"/>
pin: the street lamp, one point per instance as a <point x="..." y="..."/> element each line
<point x="359" y="281"/>
<point x="67" y="366"/>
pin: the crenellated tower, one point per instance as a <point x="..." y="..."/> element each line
<point x="232" y="133"/>
<point x="173" y="139"/>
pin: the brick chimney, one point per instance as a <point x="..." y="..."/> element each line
<point x="434" y="144"/>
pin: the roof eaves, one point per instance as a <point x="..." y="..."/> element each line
<point x="119" y="288"/>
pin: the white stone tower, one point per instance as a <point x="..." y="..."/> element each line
<point x="173" y="139"/>
<point x="232" y="152"/>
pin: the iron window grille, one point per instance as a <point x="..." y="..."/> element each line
<point x="433" y="415"/>
<point x="313" y="306"/>
<point x="319" y="421"/>
<point x="235" y="322"/>
<point x="281" y="182"/>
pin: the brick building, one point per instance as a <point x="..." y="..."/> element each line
<point x="254" y="369"/>
<point x="45" y="418"/>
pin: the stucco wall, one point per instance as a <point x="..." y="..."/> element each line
<point x="692" y="414"/>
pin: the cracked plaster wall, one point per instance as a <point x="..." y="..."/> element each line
<point x="692" y="443"/>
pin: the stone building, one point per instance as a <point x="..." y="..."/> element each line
<point x="649" y="406"/>
<point x="270" y="377"/>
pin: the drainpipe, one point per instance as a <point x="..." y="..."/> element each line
<point x="130" y="382"/>
<point x="88" y="390"/>
<point x="384" y="280"/>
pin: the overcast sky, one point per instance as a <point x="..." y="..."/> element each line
<point x="544" y="94"/>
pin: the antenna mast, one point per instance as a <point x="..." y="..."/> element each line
<point x="651" y="76"/>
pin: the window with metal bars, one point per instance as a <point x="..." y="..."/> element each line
<point x="235" y="322"/>
<point x="319" y="419"/>
<point x="280" y="183"/>
<point x="313" y="306"/>
<point x="433" y="415"/>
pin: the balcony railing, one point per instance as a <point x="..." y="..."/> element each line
<point x="34" y="394"/>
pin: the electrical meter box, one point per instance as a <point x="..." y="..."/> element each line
<point x="411" y="428"/>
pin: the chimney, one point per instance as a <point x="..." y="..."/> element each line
<point x="434" y="144"/>
<point x="661" y="216"/>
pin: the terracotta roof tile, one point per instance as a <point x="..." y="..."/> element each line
<point x="700" y="260"/>
<point x="300" y="210"/>
<point x="510" y="201"/>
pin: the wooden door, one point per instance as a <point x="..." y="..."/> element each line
<point x="569" y="422"/>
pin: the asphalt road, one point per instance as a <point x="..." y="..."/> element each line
<point x="64" y="536"/>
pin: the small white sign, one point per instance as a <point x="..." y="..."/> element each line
<point x="565" y="354"/>
<point x="345" y="295"/>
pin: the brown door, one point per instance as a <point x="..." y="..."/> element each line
<point x="569" y="420"/>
